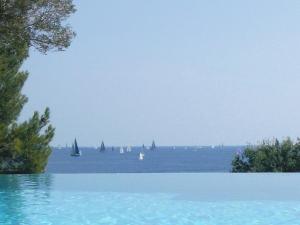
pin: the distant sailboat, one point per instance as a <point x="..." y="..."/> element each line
<point x="121" y="150"/>
<point x="128" y="149"/>
<point x="141" y="156"/>
<point x="75" y="149"/>
<point x="102" y="147"/>
<point x="153" y="146"/>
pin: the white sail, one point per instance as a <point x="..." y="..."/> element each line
<point x="121" y="150"/>
<point x="141" y="156"/>
<point x="128" y="149"/>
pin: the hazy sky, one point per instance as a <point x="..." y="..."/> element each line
<point x="180" y="72"/>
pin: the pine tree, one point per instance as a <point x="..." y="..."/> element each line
<point x="24" y="147"/>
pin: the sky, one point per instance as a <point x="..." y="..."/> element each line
<point x="179" y="72"/>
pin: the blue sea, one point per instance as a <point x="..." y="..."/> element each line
<point x="162" y="159"/>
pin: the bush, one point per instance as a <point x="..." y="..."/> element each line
<point x="270" y="156"/>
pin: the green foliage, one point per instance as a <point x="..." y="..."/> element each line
<point x="270" y="156"/>
<point x="38" y="23"/>
<point x="24" y="147"/>
<point x="12" y="100"/>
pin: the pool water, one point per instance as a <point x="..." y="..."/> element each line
<point x="150" y="199"/>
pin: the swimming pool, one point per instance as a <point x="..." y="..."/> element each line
<point x="150" y="199"/>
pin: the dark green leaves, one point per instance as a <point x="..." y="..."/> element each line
<point x="270" y="156"/>
<point x="24" y="147"/>
<point x="37" y="23"/>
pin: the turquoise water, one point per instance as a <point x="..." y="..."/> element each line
<point x="150" y="199"/>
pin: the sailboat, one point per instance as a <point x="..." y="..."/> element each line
<point x="128" y="149"/>
<point x="75" y="150"/>
<point x="121" y="150"/>
<point x="153" y="146"/>
<point x="102" y="147"/>
<point x="141" y="156"/>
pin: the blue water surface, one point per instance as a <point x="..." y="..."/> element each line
<point x="162" y="160"/>
<point x="150" y="199"/>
